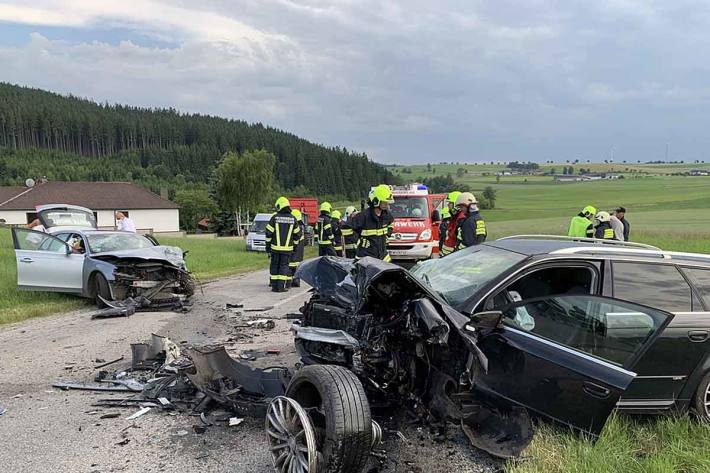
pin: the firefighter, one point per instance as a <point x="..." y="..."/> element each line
<point x="349" y="236"/>
<point x="443" y="225"/>
<point x="581" y="224"/>
<point x="298" y="249"/>
<point x="337" y="232"/>
<point x="374" y="224"/>
<point x="471" y="230"/>
<point x="282" y="235"/>
<point x="602" y="227"/>
<point x="324" y="231"/>
<point x="450" y="240"/>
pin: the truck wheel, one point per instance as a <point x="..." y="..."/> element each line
<point x="701" y="403"/>
<point x="340" y="414"/>
<point x="101" y="289"/>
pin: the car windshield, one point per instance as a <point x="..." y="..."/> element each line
<point x="259" y="226"/>
<point x="459" y="275"/>
<point x="410" y="207"/>
<point x="103" y="242"/>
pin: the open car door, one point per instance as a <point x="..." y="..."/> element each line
<point x="567" y="357"/>
<point x="46" y="263"/>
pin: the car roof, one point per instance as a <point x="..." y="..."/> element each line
<point x="533" y="245"/>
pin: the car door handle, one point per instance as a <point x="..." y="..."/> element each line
<point x="595" y="390"/>
<point x="698" y="335"/>
<point x="27" y="260"/>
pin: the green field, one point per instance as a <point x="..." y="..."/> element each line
<point x="207" y="259"/>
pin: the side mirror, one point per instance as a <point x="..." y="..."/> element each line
<point x="485" y="321"/>
<point x="435" y="216"/>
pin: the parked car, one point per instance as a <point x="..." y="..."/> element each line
<point x="256" y="238"/>
<point x="76" y="258"/>
<point x="493" y="334"/>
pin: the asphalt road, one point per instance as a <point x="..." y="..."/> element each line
<point x="46" y="429"/>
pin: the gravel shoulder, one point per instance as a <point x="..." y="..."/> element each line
<point x="46" y="429"/>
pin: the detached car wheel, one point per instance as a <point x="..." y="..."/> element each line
<point x="101" y="289"/>
<point x="701" y="402"/>
<point x="338" y="409"/>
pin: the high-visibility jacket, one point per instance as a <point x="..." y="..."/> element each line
<point x="580" y="226"/>
<point x="350" y="238"/>
<point x="324" y="229"/>
<point x="604" y="231"/>
<point x="450" y="240"/>
<point x="282" y="232"/>
<point x="337" y="236"/>
<point x="374" y="231"/>
<point x="299" y="248"/>
<point x="471" y="231"/>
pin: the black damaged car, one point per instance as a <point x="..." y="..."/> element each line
<point x="564" y="329"/>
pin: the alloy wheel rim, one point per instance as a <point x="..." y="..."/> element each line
<point x="707" y="401"/>
<point x="291" y="437"/>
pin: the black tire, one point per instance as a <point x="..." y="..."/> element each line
<point x="102" y="289"/>
<point x="701" y="402"/>
<point x="338" y="408"/>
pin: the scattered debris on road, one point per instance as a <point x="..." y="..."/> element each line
<point x="105" y="363"/>
<point x="143" y="410"/>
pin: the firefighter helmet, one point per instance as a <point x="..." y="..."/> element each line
<point x="603" y="216"/>
<point x="466" y="198"/>
<point x="336" y="214"/>
<point x="297" y="213"/>
<point x="381" y="193"/>
<point x="453" y="196"/>
<point x="326" y="207"/>
<point x="282" y="202"/>
<point x="350" y="210"/>
<point x="588" y="211"/>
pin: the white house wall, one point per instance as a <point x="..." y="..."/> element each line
<point x="155" y="220"/>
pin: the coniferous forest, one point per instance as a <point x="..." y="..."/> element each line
<point x="70" y="138"/>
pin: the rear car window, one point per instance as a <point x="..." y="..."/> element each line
<point x="656" y="285"/>
<point x="701" y="280"/>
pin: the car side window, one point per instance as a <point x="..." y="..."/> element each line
<point x="655" y="285"/>
<point x="553" y="280"/>
<point x="31" y="240"/>
<point x="606" y="328"/>
<point x="701" y="280"/>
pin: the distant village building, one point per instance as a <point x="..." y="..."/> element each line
<point x="150" y="212"/>
<point x="699" y="172"/>
<point x="585" y="177"/>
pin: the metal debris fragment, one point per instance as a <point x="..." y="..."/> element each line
<point x="235" y="421"/>
<point x="144" y="410"/>
<point x="106" y="363"/>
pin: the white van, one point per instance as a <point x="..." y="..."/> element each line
<point x="256" y="238"/>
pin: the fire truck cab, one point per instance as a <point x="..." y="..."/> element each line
<point x="416" y="215"/>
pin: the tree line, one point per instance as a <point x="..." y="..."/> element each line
<point x="44" y="133"/>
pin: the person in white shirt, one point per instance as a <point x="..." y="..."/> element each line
<point x="124" y="223"/>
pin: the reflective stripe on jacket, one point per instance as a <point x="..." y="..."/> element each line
<point x="282" y="232"/>
<point x="373" y="231"/>
<point x="324" y="229"/>
<point x="471" y="231"/>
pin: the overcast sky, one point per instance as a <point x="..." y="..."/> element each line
<point x="406" y="82"/>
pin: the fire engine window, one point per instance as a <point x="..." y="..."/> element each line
<point x="410" y="207"/>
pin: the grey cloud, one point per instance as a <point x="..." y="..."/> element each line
<point x="418" y="80"/>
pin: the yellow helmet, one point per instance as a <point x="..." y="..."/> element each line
<point x="381" y="193"/>
<point x="297" y="213"/>
<point x="336" y="214"/>
<point x="589" y="211"/>
<point x="453" y="196"/>
<point x="282" y="202"/>
<point x="326" y="207"/>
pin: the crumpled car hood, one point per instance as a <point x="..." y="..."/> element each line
<point x="345" y="282"/>
<point x="169" y="254"/>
